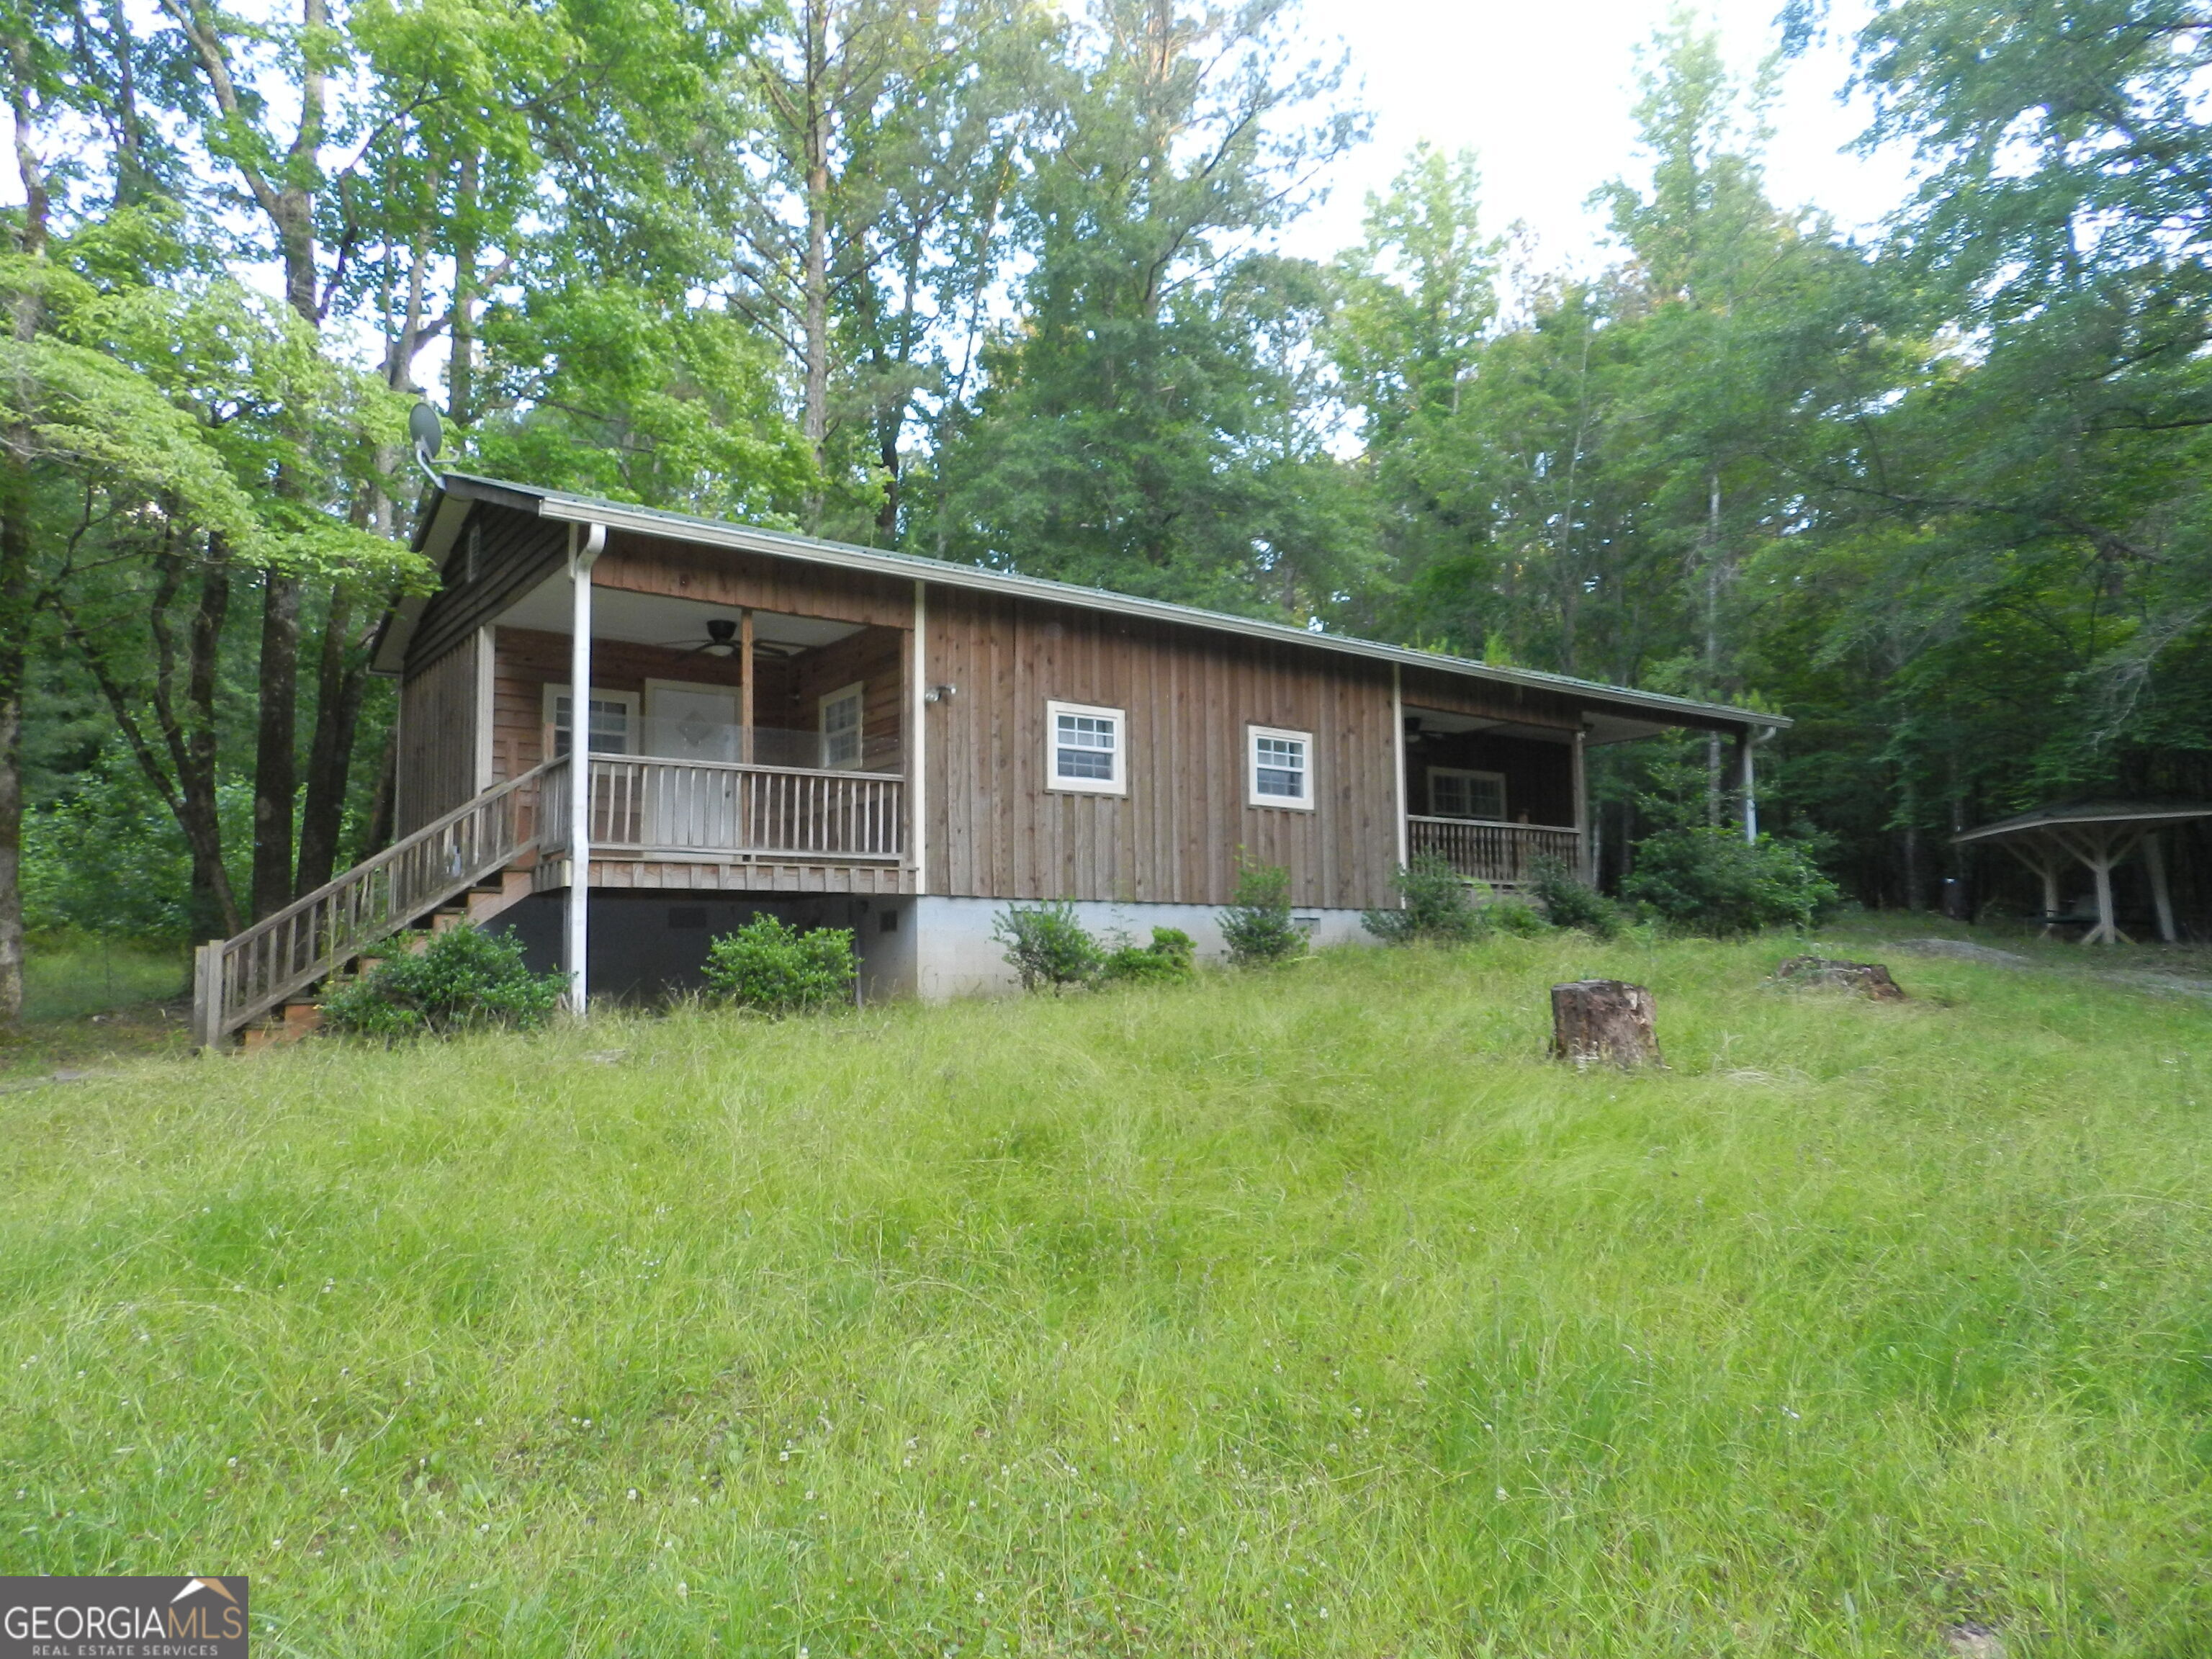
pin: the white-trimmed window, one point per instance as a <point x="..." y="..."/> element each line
<point x="841" y="727"/>
<point x="1086" y="749"/>
<point x="1278" y="768"/>
<point x="1453" y="793"/>
<point x="614" y="720"/>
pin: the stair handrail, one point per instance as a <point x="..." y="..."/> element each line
<point x="348" y="930"/>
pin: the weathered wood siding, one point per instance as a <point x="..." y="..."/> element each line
<point x="1456" y="693"/>
<point x="875" y="660"/>
<point x="719" y="576"/>
<point x="500" y="555"/>
<point x="995" y="830"/>
<point x="438" y="736"/>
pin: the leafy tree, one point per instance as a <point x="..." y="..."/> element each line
<point x="1714" y="881"/>
<point x="1125" y="434"/>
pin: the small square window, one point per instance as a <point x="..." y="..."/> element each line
<point x="1278" y="768"/>
<point x="1086" y="749"/>
<point x="614" y="718"/>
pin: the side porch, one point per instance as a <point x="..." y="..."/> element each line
<point x="1493" y="799"/>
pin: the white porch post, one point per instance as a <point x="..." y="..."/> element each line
<point x="1748" y="783"/>
<point x="584" y="542"/>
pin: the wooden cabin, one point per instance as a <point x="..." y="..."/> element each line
<point x="851" y="738"/>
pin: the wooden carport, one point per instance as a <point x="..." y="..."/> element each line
<point x="2098" y="833"/>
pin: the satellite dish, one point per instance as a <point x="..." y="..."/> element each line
<point x="428" y="436"/>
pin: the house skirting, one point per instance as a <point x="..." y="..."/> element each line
<point x="646" y="945"/>
<point x="955" y="956"/>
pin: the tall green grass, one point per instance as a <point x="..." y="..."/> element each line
<point x="1304" y="1312"/>
<point x="68" y="975"/>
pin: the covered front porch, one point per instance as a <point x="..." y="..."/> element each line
<point x="730" y="747"/>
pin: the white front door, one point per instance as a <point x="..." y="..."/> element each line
<point x="691" y="807"/>
<point x="690" y="722"/>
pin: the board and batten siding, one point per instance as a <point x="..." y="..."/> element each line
<point x="438" y="749"/>
<point x="640" y="564"/>
<point x="997" y="831"/>
<point x="1459" y="693"/>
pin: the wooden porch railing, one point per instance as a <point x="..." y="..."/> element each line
<point x="642" y="806"/>
<point x="1482" y="850"/>
<point x="238" y="979"/>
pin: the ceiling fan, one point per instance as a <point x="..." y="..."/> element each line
<point x="721" y="640"/>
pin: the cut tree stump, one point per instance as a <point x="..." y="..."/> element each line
<point x="1603" y="1021"/>
<point x="1866" y="979"/>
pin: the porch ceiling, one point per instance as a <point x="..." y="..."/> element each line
<point x="1597" y="728"/>
<point x="1442" y="723"/>
<point x="618" y="613"/>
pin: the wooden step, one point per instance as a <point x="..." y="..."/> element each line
<point x="514" y="886"/>
<point x="294" y="1021"/>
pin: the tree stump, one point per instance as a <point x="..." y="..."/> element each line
<point x="1605" y="1021"/>
<point x="1866" y="979"/>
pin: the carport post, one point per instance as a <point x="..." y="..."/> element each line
<point x="2161" y="899"/>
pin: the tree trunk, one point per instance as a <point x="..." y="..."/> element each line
<point x="377" y="835"/>
<point x="16" y="506"/>
<point x="15" y="629"/>
<point x="816" y="278"/>
<point x="460" y="372"/>
<point x="216" y="906"/>
<point x="187" y="785"/>
<point x="1603" y="1021"/>
<point x="1870" y="980"/>
<point x="338" y="686"/>
<point x="275" y="756"/>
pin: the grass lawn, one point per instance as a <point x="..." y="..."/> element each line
<point x="1309" y="1312"/>
<point x="89" y="1001"/>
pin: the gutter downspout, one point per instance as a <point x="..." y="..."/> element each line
<point x="1398" y="754"/>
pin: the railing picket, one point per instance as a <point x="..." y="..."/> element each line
<point x="1491" y="852"/>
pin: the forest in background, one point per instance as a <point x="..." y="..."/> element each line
<point x="996" y="281"/>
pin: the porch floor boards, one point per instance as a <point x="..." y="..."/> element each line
<point x="697" y="874"/>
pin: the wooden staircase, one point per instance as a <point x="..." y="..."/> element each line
<point x="459" y="868"/>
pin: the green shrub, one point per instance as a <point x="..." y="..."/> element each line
<point x="462" y="979"/>
<point x="1440" y="905"/>
<point x="1257" y="924"/>
<point x="1515" y="917"/>
<point x="772" y="968"/>
<point x="1568" y="901"/>
<point x="1047" y="946"/>
<point x="1168" y="960"/>
<point x="1713" y="881"/>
